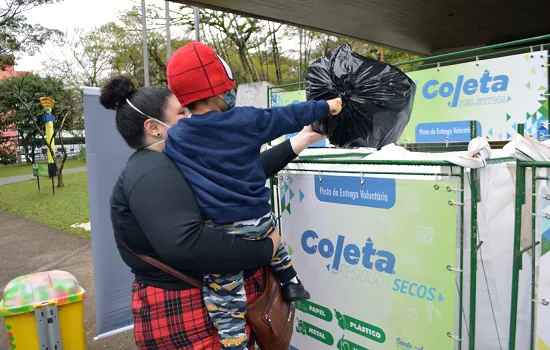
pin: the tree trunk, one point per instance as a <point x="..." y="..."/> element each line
<point x="275" y="49"/>
<point x="261" y="60"/>
<point x="60" y="182"/>
<point x="32" y="152"/>
<point x="327" y="42"/>
<point x="244" y="63"/>
<point x="308" y="49"/>
<point x="300" y="61"/>
<point x="381" y="54"/>
<point x="254" y="71"/>
<point x="224" y="52"/>
<point x="266" y="52"/>
<point x="28" y="159"/>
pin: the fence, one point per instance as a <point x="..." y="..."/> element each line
<point x="536" y="212"/>
<point x="468" y="198"/>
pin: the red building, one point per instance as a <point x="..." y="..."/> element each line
<point x="9" y="137"/>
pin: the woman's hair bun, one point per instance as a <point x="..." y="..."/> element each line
<point x="116" y="91"/>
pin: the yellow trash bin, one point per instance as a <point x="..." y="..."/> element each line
<point x="44" y="310"/>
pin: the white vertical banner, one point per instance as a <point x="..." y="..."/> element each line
<point x="542" y="309"/>
<point x="107" y="154"/>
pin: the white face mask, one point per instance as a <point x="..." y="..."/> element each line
<point x="155" y="119"/>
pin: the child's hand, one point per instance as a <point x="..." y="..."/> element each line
<point x="335" y="106"/>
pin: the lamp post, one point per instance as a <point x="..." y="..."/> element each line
<point x="144" y="39"/>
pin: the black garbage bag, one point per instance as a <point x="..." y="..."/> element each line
<point x="377" y="98"/>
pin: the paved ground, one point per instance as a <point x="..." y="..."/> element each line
<point x="14" y="179"/>
<point x="28" y="246"/>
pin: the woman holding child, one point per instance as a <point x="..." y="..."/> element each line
<point x="210" y="171"/>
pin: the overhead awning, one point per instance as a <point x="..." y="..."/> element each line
<point x="425" y="27"/>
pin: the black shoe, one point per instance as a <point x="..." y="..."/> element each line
<point x="295" y="292"/>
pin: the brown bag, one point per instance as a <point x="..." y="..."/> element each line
<point x="269" y="315"/>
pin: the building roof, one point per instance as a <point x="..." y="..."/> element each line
<point x="10" y="72"/>
<point x="425" y="27"/>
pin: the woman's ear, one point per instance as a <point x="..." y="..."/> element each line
<point x="152" y="128"/>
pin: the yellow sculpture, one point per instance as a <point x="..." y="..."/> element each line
<point x="48" y="103"/>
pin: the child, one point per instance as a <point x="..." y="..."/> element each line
<point x="218" y="151"/>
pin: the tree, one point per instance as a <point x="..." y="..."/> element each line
<point x="128" y="49"/>
<point x="256" y="50"/>
<point x="234" y="35"/>
<point x="90" y="58"/>
<point x="85" y="58"/>
<point x="16" y="34"/>
<point x="328" y="43"/>
<point x="19" y="104"/>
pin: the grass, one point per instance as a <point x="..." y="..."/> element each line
<point x="26" y="169"/>
<point x="68" y="206"/>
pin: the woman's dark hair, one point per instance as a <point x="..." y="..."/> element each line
<point x="129" y="122"/>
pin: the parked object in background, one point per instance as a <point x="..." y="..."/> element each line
<point x="44" y="310"/>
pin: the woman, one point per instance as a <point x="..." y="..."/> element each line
<point x="153" y="210"/>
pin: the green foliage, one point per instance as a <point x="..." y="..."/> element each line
<point x="256" y="50"/>
<point x="6" y="60"/>
<point x="20" y="106"/>
<point x="19" y="99"/>
<point x="82" y="154"/>
<point x="16" y="34"/>
<point x="6" y="157"/>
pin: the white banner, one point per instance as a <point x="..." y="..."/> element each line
<point x="498" y="93"/>
<point x="373" y="252"/>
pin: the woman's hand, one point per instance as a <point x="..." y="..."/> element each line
<point x="276" y="238"/>
<point x="305" y="138"/>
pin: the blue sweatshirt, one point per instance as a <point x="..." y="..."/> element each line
<point x="219" y="155"/>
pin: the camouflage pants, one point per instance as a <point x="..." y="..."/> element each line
<point x="224" y="294"/>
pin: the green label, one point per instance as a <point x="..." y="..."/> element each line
<point x="40" y="170"/>
<point x="315" y="332"/>
<point x="344" y="344"/>
<point x="315" y="310"/>
<point x="362" y="328"/>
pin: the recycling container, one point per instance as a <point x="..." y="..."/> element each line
<point x="44" y="310"/>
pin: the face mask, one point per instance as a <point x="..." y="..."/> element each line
<point x="230" y="99"/>
<point x="155" y="119"/>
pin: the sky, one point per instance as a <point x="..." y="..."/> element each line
<point x="70" y="14"/>
<point x="87" y="15"/>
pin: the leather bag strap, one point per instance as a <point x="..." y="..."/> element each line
<point x="161" y="266"/>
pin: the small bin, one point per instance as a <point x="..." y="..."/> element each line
<point x="44" y="310"/>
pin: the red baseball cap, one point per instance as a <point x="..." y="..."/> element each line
<point x="195" y="72"/>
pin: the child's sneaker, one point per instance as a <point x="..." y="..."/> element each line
<point x="294" y="290"/>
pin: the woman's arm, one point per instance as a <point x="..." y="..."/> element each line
<point x="164" y="205"/>
<point x="276" y="158"/>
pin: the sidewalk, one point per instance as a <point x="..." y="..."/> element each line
<point x="15" y="179"/>
<point x="28" y="246"/>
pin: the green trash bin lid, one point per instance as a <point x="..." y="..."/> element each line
<point x="25" y="293"/>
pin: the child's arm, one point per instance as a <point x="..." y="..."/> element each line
<point x="279" y="121"/>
